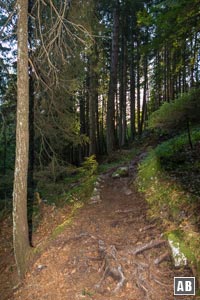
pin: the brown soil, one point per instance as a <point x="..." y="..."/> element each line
<point x="72" y="265"/>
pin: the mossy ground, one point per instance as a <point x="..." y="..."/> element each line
<point x="170" y="177"/>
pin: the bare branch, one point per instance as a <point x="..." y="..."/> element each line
<point x="9" y="18"/>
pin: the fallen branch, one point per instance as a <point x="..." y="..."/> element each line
<point x="111" y="266"/>
<point x="159" y="282"/>
<point x="150" y="245"/>
<point x="162" y="257"/>
<point x="148" y="227"/>
<point x="126" y="211"/>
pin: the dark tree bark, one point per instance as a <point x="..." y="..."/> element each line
<point x="123" y="87"/>
<point x="4" y="147"/>
<point x="93" y="100"/>
<point x="20" y="222"/>
<point x="132" y="93"/>
<point x="144" y="104"/>
<point x="110" y="127"/>
<point x="123" y="96"/>
<point x="31" y="109"/>
<point x="138" y="86"/>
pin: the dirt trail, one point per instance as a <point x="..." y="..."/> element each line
<point x="73" y="264"/>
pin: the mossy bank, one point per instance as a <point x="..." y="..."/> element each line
<point x="165" y="178"/>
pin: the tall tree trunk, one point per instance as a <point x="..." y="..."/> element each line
<point x="138" y="86"/>
<point x="124" y="123"/>
<point x="31" y="109"/>
<point x="110" y="127"/>
<point x="132" y="92"/>
<point x="121" y="89"/>
<point x="93" y="99"/>
<point x="144" y="104"/>
<point x="20" y="222"/>
<point x="98" y="142"/>
<point x="4" y="146"/>
<point x="87" y="129"/>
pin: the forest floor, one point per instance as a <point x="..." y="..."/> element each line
<point x="99" y="255"/>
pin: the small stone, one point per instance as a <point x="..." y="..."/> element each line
<point x="41" y="267"/>
<point x="128" y="192"/>
<point x="115" y="175"/>
<point x="121" y="172"/>
<point x="96" y="184"/>
<point x="95" y="192"/>
<point x="95" y="199"/>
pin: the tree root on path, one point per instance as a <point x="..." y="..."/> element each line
<point x="110" y="266"/>
<point x="150" y="245"/>
<point x="140" y="280"/>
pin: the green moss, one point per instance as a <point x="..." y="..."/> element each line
<point x="59" y="229"/>
<point x="189" y="246"/>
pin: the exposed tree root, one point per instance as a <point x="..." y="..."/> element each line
<point x="141" y="283"/>
<point x="111" y="266"/>
<point x="150" y="245"/>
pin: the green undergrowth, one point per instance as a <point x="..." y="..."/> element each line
<point x="76" y="184"/>
<point x="120" y="157"/>
<point x="73" y="190"/>
<point x="59" y="229"/>
<point x="169" y="199"/>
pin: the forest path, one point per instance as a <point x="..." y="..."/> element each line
<point x="104" y="235"/>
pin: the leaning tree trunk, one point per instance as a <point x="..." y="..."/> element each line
<point x="20" y="222"/>
<point x="110" y="127"/>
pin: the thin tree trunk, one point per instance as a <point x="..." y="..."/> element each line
<point x="4" y="146"/>
<point x="121" y="89"/>
<point x="189" y="134"/>
<point x="20" y="222"/>
<point x="138" y="87"/>
<point x="92" y="102"/>
<point x="98" y="142"/>
<point x="144" y="104"/>
<point x="31" y="109"/>
<point x="132" y="92"/>
<point x="124" y="123"/>
<point x="110" y="127"/>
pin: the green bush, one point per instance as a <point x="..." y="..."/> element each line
<point x="176" y="115"/>
<point x="151" y="167"/>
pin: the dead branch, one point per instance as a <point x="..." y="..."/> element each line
<point x="126" y="211"/>
<point x="159" y="282"/>
<point x="150" y="245"/>
<point x="9" y="16"/>
<point x="111" y="266"/>
<point x="148" y="227"/>
<point x="162" y="257"/>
